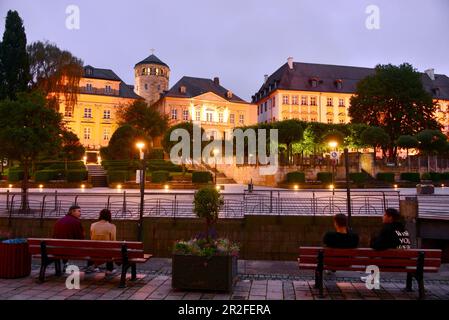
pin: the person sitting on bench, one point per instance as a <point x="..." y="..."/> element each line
<point x="393" y="234"/>
<point x="341" y="238"/>
<point x="103" y="230"/>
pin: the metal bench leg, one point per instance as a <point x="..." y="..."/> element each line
<point x="133" y="272"/>
<point x="123" y="276"/>
<point x="408" y="286"/>
<point x="422" y="292"/>
<point x="42" y="272"/>
<point x="420" y="275"/>
<point x="319" y="273"/>
<point x="58" y="271"/>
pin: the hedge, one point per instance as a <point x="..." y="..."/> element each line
<point x="324" y="177"/>
<point x="426" y="176"/>
<point x="46" y="175"/>
<point x="201" y="177"/>
<point x="162" y="165"/>
<point x="410" y="176"/>
<point x="358" y="177"/>
<point x="385" y="176"/>
<point x="76" y="175"/>
<point x="434" y="176"/>
<point x="120" y="165"/>
<point x="156" y="154"/>
<point x="59" y="165"/>
<point x="159" y="176"/>
<point x="15" y="175"/>
<point x="296" y="177"/>
<point x="445" y="176"/>
<point x="117" y="176"/>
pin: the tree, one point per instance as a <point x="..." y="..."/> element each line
<point x="407" y="142"/>
<point x="28" y="128"/>
<point x="14" y="64"/>
<point x="207" y="203"/>
<point x="123" y="143"/>
<point x="290" y="131"/>
<point x="375" y="137"/>
<point x="431" y="142"/>
<point x="394" y="99"/>
<point x="143" y="118"/>
<point x="55" y="72"/>
<point x="72" y="149"/>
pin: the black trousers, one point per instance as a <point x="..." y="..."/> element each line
<point x="109" y="265"/>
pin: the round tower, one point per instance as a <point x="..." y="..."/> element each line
<point x="151" y="77"/>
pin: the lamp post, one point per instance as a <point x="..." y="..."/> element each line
<point x="333" y="145"/>
<point x="348" y="188"/>
<point x="215" y="156"/>
<point x="140" y="146"/>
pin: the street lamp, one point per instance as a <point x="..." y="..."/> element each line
<point x="140" y="146"/>
<point x="333" y="144"/>
<point x="216" y="151"/>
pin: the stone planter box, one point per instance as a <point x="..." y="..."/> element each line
<point x="217" y="273"/>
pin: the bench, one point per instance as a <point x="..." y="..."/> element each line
<point x="414" y="262"/>
<point x="128" y="254"/>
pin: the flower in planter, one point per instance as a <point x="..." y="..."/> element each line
<point x="207" y="248"/>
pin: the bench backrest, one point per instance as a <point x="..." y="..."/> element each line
<point x="85" y="248"/>
<point x="359" y="258"/>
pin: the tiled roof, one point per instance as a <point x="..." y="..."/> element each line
<point x="327" y="78"/>
<point x="152" y="59"/>
<point x="197" y="86"/>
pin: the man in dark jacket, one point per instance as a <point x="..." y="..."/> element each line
<point x="69" y="226"/>
<point x="393" y="234"/>
<point x="341" y="238"/>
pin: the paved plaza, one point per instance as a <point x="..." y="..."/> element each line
<point x="258" y="280"/>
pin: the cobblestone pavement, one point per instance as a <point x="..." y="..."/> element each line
<point x="258" y="280"/>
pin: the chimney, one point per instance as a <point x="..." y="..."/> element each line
<point x="265" y="76"/>
<point x="217" y="81"/>
<point x="290" y="63"/>
<point x="430" y="73"/>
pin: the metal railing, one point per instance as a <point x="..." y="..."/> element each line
<point x="125" y="205"/>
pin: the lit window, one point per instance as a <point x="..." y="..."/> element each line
<point x="330" y="102"/>
<point x="341" y="102"/>
<point x="198" y="115"/>
<point x="157" y="71"/>
<point x="232" y="118"/>
<point x="313" y="119"/>
<point x="106" y="134"/>
<point x="342" y="121"/>
<point x="174" y="114"/>
<point x="220" y="117"/>
<point x="106" y="114"/>
<point x="313" y="101"/>
<point x="303" y="100"/>
<point x="241" y="119"/>
<point x="89" y="87"/>
<point x="209" y="117"/>
<point x="87" y="113"/>
<point x="330" y="120"/>
<point x="185" y="115"/>
<point x="108" y="89"/>
<point x="304" y="119"/>
<point x="295" y="100"/>
<point x="86" y="133"/>
<point x="68" y="112"/>
<point x="285" y="99"/>
<point x="143" y="71"/>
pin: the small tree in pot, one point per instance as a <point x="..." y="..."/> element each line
<point x="205" y="262"/>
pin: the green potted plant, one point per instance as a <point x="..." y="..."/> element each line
<point x="205" y="262"/>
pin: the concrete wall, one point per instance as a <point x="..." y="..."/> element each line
<point x="261" y="237"/>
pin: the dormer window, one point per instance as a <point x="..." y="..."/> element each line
<point x="89" y="87"/>
<point x="89" y="71"/>
<point x="229" y="94"/>
<point x="436" y="91"/>
<point x="338" y="83"/>
<point x="314" y="82"/>
<point x="182" y="89"/>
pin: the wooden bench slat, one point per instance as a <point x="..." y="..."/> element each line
<point x="370" y="261"/>
<point x="85" y="243"/>
<point x="363" y="268"/>
<point x="87" y="252"/>
<point x="429" y="253"/>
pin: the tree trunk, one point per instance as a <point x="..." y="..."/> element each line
<point x="24" y="205"/>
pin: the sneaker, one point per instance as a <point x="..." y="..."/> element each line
<point x="91" y="269"/>
<point x="112" y="272"/>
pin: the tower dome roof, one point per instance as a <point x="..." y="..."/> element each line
<point x="152" y="59"/>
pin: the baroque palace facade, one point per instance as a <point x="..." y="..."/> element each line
<point x="321" y="93"/>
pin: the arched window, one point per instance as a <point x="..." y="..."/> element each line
<point x="143" y="71"/>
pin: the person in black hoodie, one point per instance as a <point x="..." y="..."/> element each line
<point x="393" y="234"/>
<point x="341" y="238"/>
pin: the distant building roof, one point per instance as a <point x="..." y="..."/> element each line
<point x="152" y="59"/>
<point x="333" y="78"/>
<point x="198" y="86"/>
<point x="125" y="90"/>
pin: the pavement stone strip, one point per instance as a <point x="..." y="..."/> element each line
<point x="257" y="280"/>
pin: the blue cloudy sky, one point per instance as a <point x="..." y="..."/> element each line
<point x="241" y="40"/>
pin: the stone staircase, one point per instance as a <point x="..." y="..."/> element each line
<point x="97" y="176"/>
<point x="221" y="177"/>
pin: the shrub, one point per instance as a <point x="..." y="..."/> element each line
<point x="157" y="165"/>
<point x="324" y="177"/>
<point x="59" y="165"/>
<point x="46" y="175"/>
<point x="410" y="176"/>
<point x="117" y="176"/>
<point x="385" y="176"/>
<point x="426" y="176"/>
<point x="201" y="177"/>
<point x="434" y="176"/>
<point x="15" y="175"/>
<point x="444" y="176"/>
<point x="159" y="176"/>
<point x="358" y="177"/>
<point x="76" y="175"/>
<point x="156" y="154"/>
<point x="296" y="177"/>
